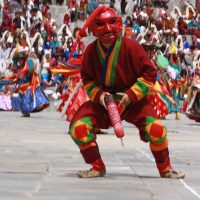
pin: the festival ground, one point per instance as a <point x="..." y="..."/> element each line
<point x="38" y="161"/>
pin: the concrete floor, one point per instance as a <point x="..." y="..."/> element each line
<point x="38" y="161"/>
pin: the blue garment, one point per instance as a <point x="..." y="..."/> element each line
<point x="136" y="28"/>
<point x="67" y="53"/>
<point x="176" y="98"/>
<point x="186" y="45"/>
<point x="32" y="102"/>
<point x="93" y="4"/>
<point x="55" y="44"/>
<point x="192" y="25"/>
<point x="15" y="102"/>
<point x="47" y="45"/>
<point x="45" y="77"/>
<point x="158" y="77"/>
<point x="59" y="78"/>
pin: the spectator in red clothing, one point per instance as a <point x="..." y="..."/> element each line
<point x="197" y="32"/>
<point x="45" y="9"/>
<point x="182" y="26"/>
<point x="66" y="19"/>
<point x="7" y="8"/>
<point x="82" y="13"/>
<point x="73" y="7"/>
<point x="6" y="22"/>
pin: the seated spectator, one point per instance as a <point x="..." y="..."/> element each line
<point x="91" y="6"/>
<point x="82" y="13"/>
<point x="128" y="27"/>
<point x="6" y="18"/>
<point x="186" y="44"/>
<point x="55" y="43"/>
<point x="73" y="7"/>
<point x="192" y="26"/>
<point x="195" y="45"/>
<point x="182" y="26"/>
<point x="64" y="32"/>
<point x="169" y="23"/>
<point x="63" y="43"/>
<point x="45" y="9"/>
<point x="47" y="61"/>
<point x="197" y="32"/>
<point x="47" y="43"/>
<point x="18" y="21"/>
<point x="81" y="45"/>
<point x="66" y="19"/>
<point x="70" y="44"/>
<point x="4" y="51"/>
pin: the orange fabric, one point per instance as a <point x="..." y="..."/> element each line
<point x="159" y="146"/>
<point x="87" y="145"/>
<point x="24" y="87"/>
<point x="34" y="82"/>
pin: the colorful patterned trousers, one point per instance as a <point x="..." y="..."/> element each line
<point x="142" y="115"/>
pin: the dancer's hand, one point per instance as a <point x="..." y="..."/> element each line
<point x="101" y="99"/>
<point x="125" y="99"/>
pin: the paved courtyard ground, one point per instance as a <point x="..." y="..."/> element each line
<point x="38" y="161"/>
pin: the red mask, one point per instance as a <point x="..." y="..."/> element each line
<point x="107" y="26"/>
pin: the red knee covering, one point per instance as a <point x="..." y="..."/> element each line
<point x="162" y="160"/>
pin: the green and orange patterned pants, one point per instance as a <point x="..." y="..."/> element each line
<point x="91" y="116"/>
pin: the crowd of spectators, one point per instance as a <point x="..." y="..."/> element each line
<point x="157" y="28"/>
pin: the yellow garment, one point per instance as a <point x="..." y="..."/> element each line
<point x="172" y="49"/>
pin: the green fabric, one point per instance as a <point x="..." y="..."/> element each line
<point x="142" y="87"/>
<point x="150" y="120"/>
<point x="176" y="67"/>
<point x="114" y="63"/>
<point x="99" y="54"/>
<point x="148" y="138"/>
<point x="90" y="135"/>
<point x="91" y="88"/>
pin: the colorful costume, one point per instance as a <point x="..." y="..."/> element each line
<point x="175" y="85"/>
<point x="71" y="86"/>
<point x="124" y="67"/>
<point x="32" y="98"/>
<point x="161" y="93"/>
<point x="191" y="105"/>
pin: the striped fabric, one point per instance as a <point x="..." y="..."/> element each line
<point x="161" y="89"/>
<point x="92" y="89"/>
<point x="141" y="88"/>
<point x="109" y="62"/>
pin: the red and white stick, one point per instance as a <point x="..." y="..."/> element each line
<point x="114" y="116"/>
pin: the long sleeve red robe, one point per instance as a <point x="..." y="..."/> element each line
<point x="135" y="74"/>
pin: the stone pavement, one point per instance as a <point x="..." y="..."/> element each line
<point x="38" y="161"/>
